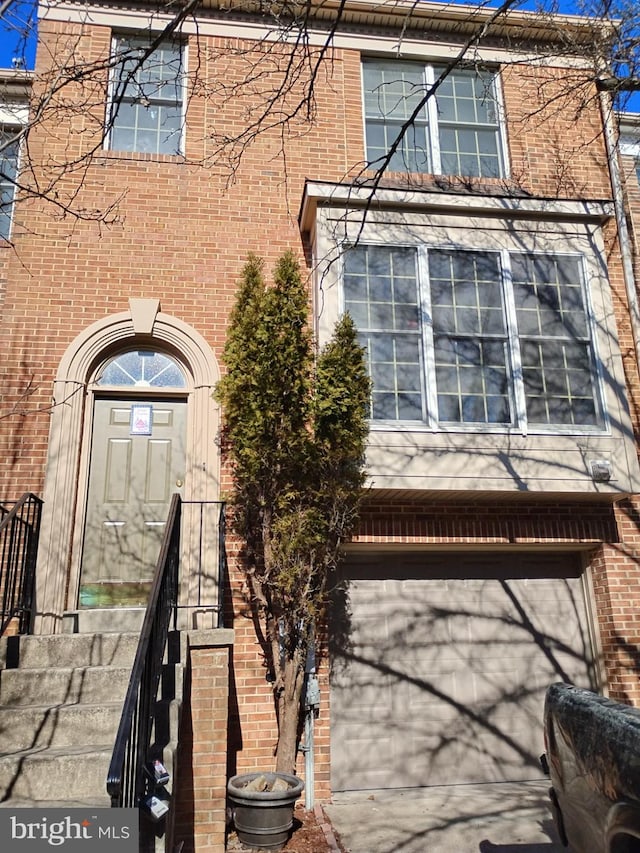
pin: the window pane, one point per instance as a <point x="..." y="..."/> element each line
<point x="469" y="152"/>
<point x="123" y="139"/>
<point x="381" y="316"/>
<point x="380" y="288"/>
<point x="475" y="388"/>
<point x="8" y="173"/>
<point x="359" y="314"/>
<point x="470" y="340"/>
<point x="146" y="112"/>
<point x="468" y="128"/>
<point x="142" y="369"/>
<point x="392" y="92"/>
<point x="467" y="96"/>
<point x="381" y="294"/>
<point x="467" y="131"/>
<point x="393" y="89"/>
<point x="472" y="367"/>
<point x="558" y="363"/>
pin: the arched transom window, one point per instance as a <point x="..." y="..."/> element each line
<point x="142" y="369"/>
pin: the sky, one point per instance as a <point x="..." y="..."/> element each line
<point x="17" y="33"/>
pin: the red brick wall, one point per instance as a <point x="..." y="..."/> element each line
<point x="200" y="791"/>
<point x="555" y="133"/>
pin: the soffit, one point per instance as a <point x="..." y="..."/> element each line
<point x="570" y="31"/>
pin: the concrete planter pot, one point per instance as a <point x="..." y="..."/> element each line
<point x="263" y="818"/>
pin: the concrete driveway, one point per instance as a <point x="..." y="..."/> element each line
<point x="493" y="818"/>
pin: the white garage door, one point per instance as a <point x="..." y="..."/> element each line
<point x="439" y="671"/>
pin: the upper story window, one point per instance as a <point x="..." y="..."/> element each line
<point x="457" y="132"/>
<point x="474" y="337"/>
<point x="146" y="105"/>
<point x="142" y="369"/>
<point x="8" y="172"/>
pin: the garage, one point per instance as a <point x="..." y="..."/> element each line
<point x="440" y="662"/>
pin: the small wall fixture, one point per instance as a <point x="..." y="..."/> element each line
<point x="601" y="470"/>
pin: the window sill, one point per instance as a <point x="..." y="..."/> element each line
<point x="141" y="156"/>
<point x="473" y="429"/>
<point x="447" y="183"/>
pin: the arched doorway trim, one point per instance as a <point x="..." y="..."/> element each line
<point x="68" y="450"/>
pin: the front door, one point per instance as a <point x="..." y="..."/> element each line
<point x="137" y="463"/>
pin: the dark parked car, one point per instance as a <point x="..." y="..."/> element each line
<point x="593" y="760"/>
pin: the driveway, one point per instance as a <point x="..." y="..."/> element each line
<point x="511" y="817"/>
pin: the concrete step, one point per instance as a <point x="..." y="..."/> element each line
<point x="105" y="620"/>
<point x="63" y="725"/>
<point x="56" y="773"/>
<point x="75" y="650"/>
<point x="19" y="687"/>
<point x="60" y="704"/>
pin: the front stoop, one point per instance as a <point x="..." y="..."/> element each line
<point x="61" y="700"/>
<point x="60" y="704"/>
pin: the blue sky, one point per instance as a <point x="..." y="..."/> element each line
<point x="17" y="33"/>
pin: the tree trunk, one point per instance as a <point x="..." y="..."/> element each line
<point x="289" y="715"/>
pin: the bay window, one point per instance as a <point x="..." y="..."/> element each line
<point x="473" y="337"/>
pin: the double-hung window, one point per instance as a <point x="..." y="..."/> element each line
<point x="455" y="132"/>
<point x="475" y="337"/>
<point x="146" y="109"/>
<point x="8" y="172"/>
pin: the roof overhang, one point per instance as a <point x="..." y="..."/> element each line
<point x="407" y="16"/>
<point x="362" y="198"/>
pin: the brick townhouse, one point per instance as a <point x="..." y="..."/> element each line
<point x="497" y="550"/>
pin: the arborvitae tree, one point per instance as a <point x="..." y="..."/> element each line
<point x="295" y="429"/>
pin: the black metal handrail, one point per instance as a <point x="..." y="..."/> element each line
<point x="19" y="532"/>
<point x="207" y="513"/>
<point x="126" y="777"/>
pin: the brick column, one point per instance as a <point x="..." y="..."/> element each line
<point x="200" y="799"/>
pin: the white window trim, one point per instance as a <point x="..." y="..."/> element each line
<point x="113" y="78"/>
<point x="432" y="119"/>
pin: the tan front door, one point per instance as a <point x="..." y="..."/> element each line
<point x="137" y="463"/>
